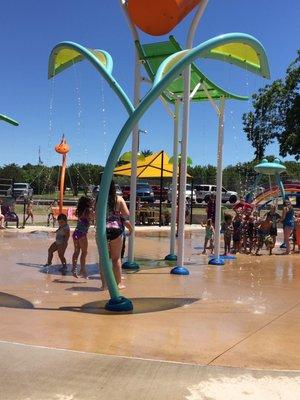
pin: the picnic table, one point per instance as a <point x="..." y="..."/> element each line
<point x="150" y="216"/>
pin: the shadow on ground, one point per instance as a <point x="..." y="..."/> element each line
<point x="92" y="269"/>
<point x="141" y="305"/>
<point x="11" y="301"/>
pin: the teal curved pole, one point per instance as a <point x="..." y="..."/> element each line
<point x="106" y="72"/>
<point x="161" y="83"/>
<point x="211" y="43"/>
<point x="9" y="120"/>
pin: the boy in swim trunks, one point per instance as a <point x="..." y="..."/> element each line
<point x="263" y="236"/>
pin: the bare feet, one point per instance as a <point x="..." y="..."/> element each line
<point x="103" y="288"/>
<point x="121" y="286"/>
<point x="74" y="272"/>
<point x="83" y="274"/>
<point x="47" y="264"/>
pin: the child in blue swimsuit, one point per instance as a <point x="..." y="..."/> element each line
<point x="209" y="236"/>
<point x="288" y="222"/>
<point x="85" y="214"/>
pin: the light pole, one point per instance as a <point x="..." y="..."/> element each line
<point x="139" y="132"/>
<point x="25" y="198"/>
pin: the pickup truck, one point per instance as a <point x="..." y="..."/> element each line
<point x="204" y="191"/>
<point x="20" y="190"/>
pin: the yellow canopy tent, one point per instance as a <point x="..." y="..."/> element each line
<point x="155" y="166"/>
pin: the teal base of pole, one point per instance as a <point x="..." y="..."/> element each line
<point x="224" y="257"/>
<point x="171" y="257"/>
<point x="130" y="265"/>
<point x="180" y="271"/>
<point x="119" y="304"/>
<point x="216" y="261"/>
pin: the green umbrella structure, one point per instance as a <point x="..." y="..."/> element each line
<point x="126" y="157"/>
<point x="189" y="160"/>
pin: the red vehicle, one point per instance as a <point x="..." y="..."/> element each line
<point x="156" y="191"/>
<point x="126" y="192"/>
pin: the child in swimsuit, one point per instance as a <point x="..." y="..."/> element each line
<point x="85" y="215"/>
<point x="251" y="233"/>
<point x="29" y="211"/>
<point x="209" y="236"/>
<point x="61" y="243"/>
<point x="263" y="235"/>
<point x="227" y="229"/>
<point x="237" y="232"/>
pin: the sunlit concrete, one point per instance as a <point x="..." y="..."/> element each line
<point x="244" y="314"/>
<point x="33" y="373"/>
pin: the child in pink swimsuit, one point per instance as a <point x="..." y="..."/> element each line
<point x="85" y="214"/>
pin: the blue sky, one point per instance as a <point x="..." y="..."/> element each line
<point x="83" y="107"/>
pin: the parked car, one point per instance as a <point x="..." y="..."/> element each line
<point x="20" y="190"/>
<point x="118" y="190"/>
<point x="203" y="192"/>
<point x="143" y="191"/>
<point x="156" y="191"/>
<point x="188" y="193"/>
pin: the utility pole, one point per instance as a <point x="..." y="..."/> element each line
<point x="40" y="162"/>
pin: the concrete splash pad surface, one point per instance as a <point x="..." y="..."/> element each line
<point x="48" y="374"/>
<point x="244" y="314"/>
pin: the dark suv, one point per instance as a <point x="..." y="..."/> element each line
<point x="144" y="192"/>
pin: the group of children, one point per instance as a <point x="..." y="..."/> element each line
<point x="117" y="219"/>
<point x="85" y="214"/>
<point x="247" y="232"/>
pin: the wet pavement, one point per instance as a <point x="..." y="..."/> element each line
<point x="244" y="314"/>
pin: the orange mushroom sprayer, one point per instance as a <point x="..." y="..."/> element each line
<point x="158" y="17"/>
<point x="62" y="148"/>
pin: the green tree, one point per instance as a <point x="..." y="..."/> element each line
<point x="12" y="171"/>
<point x="203" y="174"/>
<point x="276" y="115"/>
